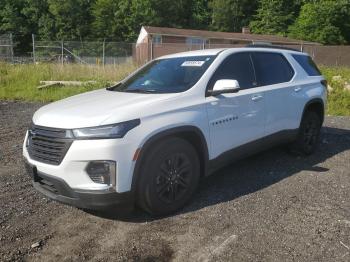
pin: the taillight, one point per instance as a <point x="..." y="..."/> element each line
<point x="325" y="85"/>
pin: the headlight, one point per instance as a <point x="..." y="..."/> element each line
<point x="109" y="131"/>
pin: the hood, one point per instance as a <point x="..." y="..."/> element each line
<point x="100" y="107"/>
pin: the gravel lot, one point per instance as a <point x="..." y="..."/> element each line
<point x="270" y="207"/>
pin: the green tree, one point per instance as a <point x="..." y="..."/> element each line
<point x="11" y="17"/>
<point x="140" y="13"/>
<point x="72" y="18"/>
<point x="326" y="22"/>
<point x="200" y="14"/>
<point x="109" y="20"/>
<point x="39" y="19"/>
<point x="231" y="15"/>
<point x="274" y="17"/>
<point x="12" y="20"/>
<point x="166" y="13"/>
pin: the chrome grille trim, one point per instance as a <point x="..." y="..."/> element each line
<point x="48" y="145"/>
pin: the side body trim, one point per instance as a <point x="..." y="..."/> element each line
<point x="252" y="148"/>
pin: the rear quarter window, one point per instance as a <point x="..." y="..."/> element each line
<point x="307" y="64"/>
<point x="272" y="68"/>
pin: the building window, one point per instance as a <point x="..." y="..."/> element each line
<point x="195" y="41"/>
<point x="157" y="39"/>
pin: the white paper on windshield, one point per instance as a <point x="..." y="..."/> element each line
<point x="193" y="63"/>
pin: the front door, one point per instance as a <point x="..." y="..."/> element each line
<point x="238" y="118"/>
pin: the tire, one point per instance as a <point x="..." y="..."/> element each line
<point x="170" y="175"/>
<point x="308" y="134"/>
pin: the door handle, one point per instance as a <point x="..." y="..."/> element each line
<point x="297" y="89"/>
<point x="257" y="97"/>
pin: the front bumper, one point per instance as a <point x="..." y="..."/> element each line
<point x="57" y="189"/>
<point x="72" y="169"/>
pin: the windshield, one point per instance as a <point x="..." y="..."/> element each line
<point x="172" y="75"/>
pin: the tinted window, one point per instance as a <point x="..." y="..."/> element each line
<point x="170" y="75"/>
<point x="238" y="67"/>
<point x="271" y="68"/>
<point x="307" y="64"/>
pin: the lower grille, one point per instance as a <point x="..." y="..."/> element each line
<point x="48" y="145"/>
<point x="48" y="186"/>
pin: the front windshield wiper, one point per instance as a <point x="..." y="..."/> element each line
<point x="139" y="90"/>
<point x="111" y="88"/>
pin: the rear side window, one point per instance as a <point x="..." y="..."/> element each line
<point x="237" y="67"/>
<point x="272" y="68"/>
<point x="307" y="64"/>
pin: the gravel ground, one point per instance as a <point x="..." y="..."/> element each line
<point x="270" y="207"/>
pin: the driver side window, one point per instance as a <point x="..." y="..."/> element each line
<point x="238" y="67"/>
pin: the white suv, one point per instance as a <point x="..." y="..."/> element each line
<point x="149" y="139"/>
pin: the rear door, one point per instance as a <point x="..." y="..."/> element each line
<point x="236" y="118"/>
<point x="309" y="84"/>
<point x="274" y="75"/>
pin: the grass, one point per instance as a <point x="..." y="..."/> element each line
<point x="19" y="82"/>
<point x="338" y="98"/>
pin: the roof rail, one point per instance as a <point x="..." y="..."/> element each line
<point x="271" y="46"/>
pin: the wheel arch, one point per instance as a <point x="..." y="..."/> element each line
<point x="316" y="105"/>
<point x="191" y="134"/>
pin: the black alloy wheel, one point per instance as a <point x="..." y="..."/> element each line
<point x="308" y="136"/>
<point x="174" y="178"/>
<point x="310" y="133"/>
<point x="169" y="176"/>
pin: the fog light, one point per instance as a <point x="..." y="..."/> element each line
<point x="102" y="172"/>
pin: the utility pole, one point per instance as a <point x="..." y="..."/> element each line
<point x="103" y="52"/>
<point x="62" y="52"/>
<point x="151" y="48"/>
<point x="11" y="48"/>
<point x="33" y="39"/>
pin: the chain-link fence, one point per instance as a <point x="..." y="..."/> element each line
<point x="99" y="53"/>
<point x="114" y="53"/>
<point x="6" y="48"/>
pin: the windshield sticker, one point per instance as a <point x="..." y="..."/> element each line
<point x="193" y="63"/>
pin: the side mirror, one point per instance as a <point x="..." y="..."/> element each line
<point x="225" y="86"/>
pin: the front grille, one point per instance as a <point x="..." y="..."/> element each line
<point x="48" y="145"/>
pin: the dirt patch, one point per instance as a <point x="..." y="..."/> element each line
<point x="270" y="207"/>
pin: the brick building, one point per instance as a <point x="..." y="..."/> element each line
<point x="157" y="41"/>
